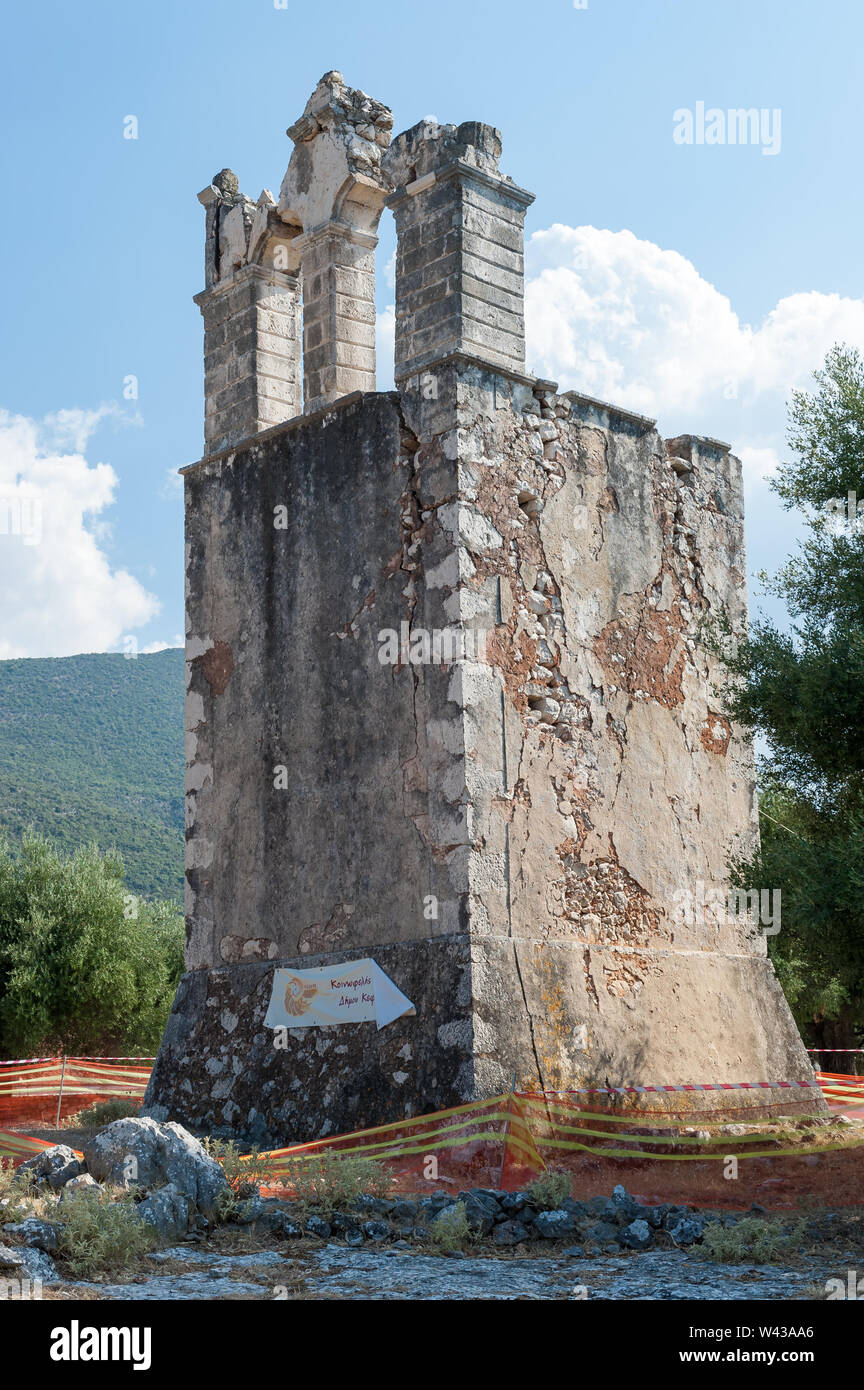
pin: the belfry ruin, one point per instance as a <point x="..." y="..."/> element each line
<point x="520" y="829"/>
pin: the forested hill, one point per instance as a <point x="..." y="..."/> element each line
<point x="91" y="749"/>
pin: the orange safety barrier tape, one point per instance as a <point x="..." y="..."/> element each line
<point x="21" y="1146"/>
<point x="532" y="1131"/>
<point x="505" y="1135"/>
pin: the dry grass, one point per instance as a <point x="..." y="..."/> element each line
<point x="750" y="1241"/>
<point x="13" y="1192"/>
<point x="330" y="1181"/>
<point x="64" y="1292"/>
<point x="450" y="1230"/>
<point x="243" y="1174"/>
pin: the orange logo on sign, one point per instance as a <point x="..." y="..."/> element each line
<point x="298" y="996"/>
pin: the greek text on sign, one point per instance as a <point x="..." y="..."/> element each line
<point x="355" y="992"/>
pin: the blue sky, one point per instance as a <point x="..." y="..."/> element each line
<point x="670" y="271"/>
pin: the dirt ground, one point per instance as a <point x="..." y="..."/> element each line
<point x="75" y="1138"/>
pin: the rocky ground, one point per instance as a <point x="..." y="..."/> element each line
<point x="479" y="1244"/>
<point x="337" y="1272"/>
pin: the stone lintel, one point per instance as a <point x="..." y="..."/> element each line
<point x="682" y="445"/>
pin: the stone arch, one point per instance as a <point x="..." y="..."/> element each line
<point x="335" y="190"/>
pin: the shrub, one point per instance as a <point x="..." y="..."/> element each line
<point x="104" y="1112"/>
<point x="243" y="1174"/>
<point x="99" y="1235"/>
<point x="17" y="1191"/>
<point x="450" y="1229"/>
<point x="549" y="1190"/>
<point x="331" y="1180"/>
<point x="750" y="1240"/>
<point x="227" y="1206"/>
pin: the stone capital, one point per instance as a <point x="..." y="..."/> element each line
<point x="241" y="232"/>
<point x="262" y="275"/>
<point x="463" y="171"/>
<point x="335" y="227"/>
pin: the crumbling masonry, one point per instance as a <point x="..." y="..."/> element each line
<point x="509" y="836"/>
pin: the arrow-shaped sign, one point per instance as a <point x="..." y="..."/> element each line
<point x="355" y="992"/>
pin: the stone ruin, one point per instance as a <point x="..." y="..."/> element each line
<point x="508" y="824"/>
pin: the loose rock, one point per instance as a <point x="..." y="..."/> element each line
<point x="551" y="1225"/>
<point x="21" y="1261"/>
<point x="167" y="1210"/>
<point x="40" y="1235"/>
<point x="139" y="1152"/>
<point x="510" y="1233"/>
<point x="637" y="1236"/>
<point x="54" y="1166"/>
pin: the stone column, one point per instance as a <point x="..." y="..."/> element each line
<point x="338" y="276"/>
<point x="334" y="189"/>
<point x="459" y="258"/>
<point x="251" y="310"/>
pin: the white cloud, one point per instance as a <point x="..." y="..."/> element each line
<point x="176" y="641"/>
<point x="385" y="337"/>
<point x="631" y="323"/>
<point x="625" y="320"/>
<point x="619" y="318"/>
<point x="172" y="485"/>
<point x="71" y="429"/>
<point x="60" y="594"/>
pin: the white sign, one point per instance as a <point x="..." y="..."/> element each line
<point x="356" y="992"/>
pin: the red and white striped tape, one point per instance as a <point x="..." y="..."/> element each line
<point x="835" y="1049"/>
<point x="31" y="1061"/>
<point x="110" y="1059"/>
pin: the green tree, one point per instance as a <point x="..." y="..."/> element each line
<point x="85" y="967"/>
<point x="803" y="689"/>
